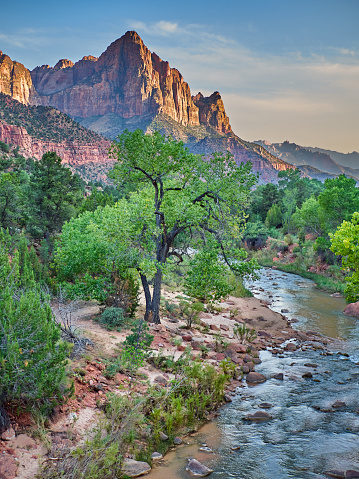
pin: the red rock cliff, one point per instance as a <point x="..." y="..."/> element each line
<point x="15" y="80"/>
<point x="70" y="152"/>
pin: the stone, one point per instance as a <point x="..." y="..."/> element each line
<point x="156" y="456"/>
<point x="259" y="416"/>
<point x="177" y="441"/>
<point x="255" y="378"/>
<point x="196" y="468"/>
<point x="279" y="376"/>
<point x="163" y="436"/>
<point x="290" y="347"/>
<point x="132" y="468"/>
<point x="351" y="473"/>
<point x="205" y="448"/>
<point x="8" y="435"/>
<point x="338" y="405"/>
<point x="352" y="309"/>
<point x="187" y="337"/>
<point x="284" y="310"/>
<point x="264" y="334"/>
<point x="220" y="356"/>
<point x="227" y="398"/>
<point x="307" y="374"/>
<point x="310" y="365"/>
<point x="265" y="405"/>
<point x="214" y="327"/>
<point x="181" y="347"/>
<point x="160" y="379"/>
<point x="224" y="327"/>
<point x="8" y="466"/>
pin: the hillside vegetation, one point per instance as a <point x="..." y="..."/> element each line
<point x="45" y="123"/>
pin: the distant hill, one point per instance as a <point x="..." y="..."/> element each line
<point x="350" y="160"/>
<point x="313" y="157"/>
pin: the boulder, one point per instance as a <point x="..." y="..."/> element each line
<point x="279" y="376"/>
<point x="352" y="309"/>
<point x="156" y="456"/>
<point x="196" y="468"/>
<point x="259" y="416"/>
<point x="177" y="440"/>
<point x="255" y="378"/>
<point x="134" y="468"/>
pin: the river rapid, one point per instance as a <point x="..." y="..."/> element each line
<point x="307" y="435"/>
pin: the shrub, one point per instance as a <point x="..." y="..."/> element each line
<point x="112" y="318"/>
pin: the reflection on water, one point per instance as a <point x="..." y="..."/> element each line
<point x="301" y="440"/>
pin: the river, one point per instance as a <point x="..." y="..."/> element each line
<point x="306" y="435"/>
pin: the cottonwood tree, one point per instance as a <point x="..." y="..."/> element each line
<point x="180" y="200"/>
<point x="345" y="242"/>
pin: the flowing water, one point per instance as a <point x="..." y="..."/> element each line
<point x="301" y="440"/>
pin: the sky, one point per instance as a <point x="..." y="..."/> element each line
<point x="286" y="69"/>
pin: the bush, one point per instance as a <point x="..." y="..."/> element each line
<point x="112" y="318"/>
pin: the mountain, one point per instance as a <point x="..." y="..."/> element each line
<point x="312" y="157"/>
<point x="37" y="129"/>
<point x="350" y="160"/>
<point x="130" y="87"/>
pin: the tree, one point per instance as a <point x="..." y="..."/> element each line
<point x="180" y="201"/>
<point x="339" y="200"/>
<point x="32" y="357"/>
<point x="55" y="193"/>
<point x="345" y="242"/>
<point x="274" y="217"/>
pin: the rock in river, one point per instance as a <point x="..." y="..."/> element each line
<point x="255" y="378"/>
<point x="259" y="416"/>
<point x="197" y="469"/>
<point x="134" y="468"/>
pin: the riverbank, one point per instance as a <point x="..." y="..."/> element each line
<point x="212" y="341"/>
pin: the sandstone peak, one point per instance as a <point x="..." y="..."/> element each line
<point x="89" y="58"/>
<point x="15" y="79"/>
<point x="63" y="63"/>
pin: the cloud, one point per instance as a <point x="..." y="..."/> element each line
<point x="155" y="28"/>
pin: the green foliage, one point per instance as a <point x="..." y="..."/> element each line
<point x="345" y="242"/>
<point x="55" y="193"/>
<point x="4" y="147"/>
<point x="32" y="357"/>
<point x="255" y="235"/>
<point x="206" y="278"/>
<point x="274" y="217"/>
<point x="189" y="311"/>
<point x="177" y="198"/>
<point x="243" y="333"/>
<point x="112" y="318"/>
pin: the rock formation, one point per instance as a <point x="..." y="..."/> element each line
<point x="71" y="152"/>
<point x="127" y="79"/>
<point x="15" y="80"/>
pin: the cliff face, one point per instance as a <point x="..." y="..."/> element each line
<point x="15" y="80"/>
<point x="73" y="153"/>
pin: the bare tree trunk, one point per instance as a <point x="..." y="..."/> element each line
<point x="146" y="289"/>
<point x="156" y="297"/>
